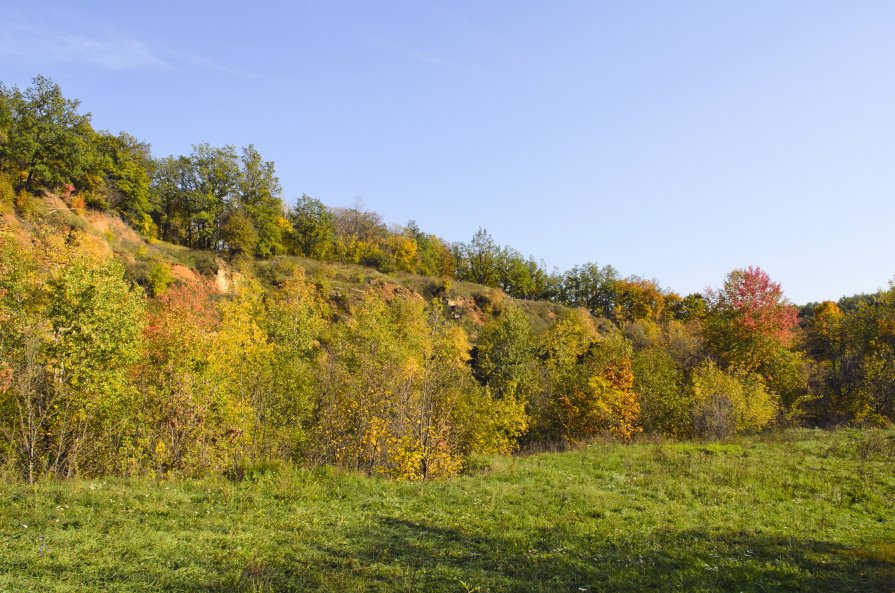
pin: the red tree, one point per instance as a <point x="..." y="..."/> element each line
<point x="749" y="317"/>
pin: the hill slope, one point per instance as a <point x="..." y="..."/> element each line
<point x="156" y="264"/>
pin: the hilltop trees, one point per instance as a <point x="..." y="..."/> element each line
<point x="217" y="199"/>
<point x="260" y="196"/>
<point x="313" y="228"/>
<point x="47" y="142"/>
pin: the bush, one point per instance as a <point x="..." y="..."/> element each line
<point x="205" y="263"/>
<point x="278" y="270"/>
<point x="158" y="277"/>
<point x="713" y="418"/>
<point x="7" y="193"/>
<point x="376" y="258"/>
<point x="753" y="405"/>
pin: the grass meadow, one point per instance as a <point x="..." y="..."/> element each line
<point x="801" y="510"/>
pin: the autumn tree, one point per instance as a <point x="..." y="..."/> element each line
<point x="590" y="383"/>
<point x="749" y="318"/>
<point x="188" y="423"/>
<point x="636" y="298"/>
<point x="70" y="335"/>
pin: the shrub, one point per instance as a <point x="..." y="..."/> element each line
<point x="753" y="405"/>
<point x="158" y="277"/>
<point x="714" y="417"/>
<point x="278" y="270"/>
<point x="7" y="193"/>
<point x="665" y="397"/>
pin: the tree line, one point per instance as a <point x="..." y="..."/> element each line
<point x="98" y="377"/>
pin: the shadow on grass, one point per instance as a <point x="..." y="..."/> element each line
<point x="400" y="555"/>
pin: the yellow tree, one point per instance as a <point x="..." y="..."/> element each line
<point x="591" y="383"/>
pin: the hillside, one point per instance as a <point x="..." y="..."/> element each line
<point x="173" y="316"/>
<point x="156" y="264"/>
<point x="803" y="511"/>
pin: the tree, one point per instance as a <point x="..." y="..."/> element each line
<point x="748" y="319"/>
<point x="666" y="398"/>
<point x="70" y="336"/>
<point x="294" y="319"/>
<point x="691" y="307"/>
<point x="371" y="372"/>
<point x="259" y="196"/>
<point x="636" y="298"/>
<point x="434" y="257"/>
<point x="127" y="166"/>
<point x="313" y="228"/>
<point x="238" y="234"/>
<point x="189" y="422"/>
<point x="47" y="141"/>
<point x="478" y="261"/>
<point x="590" y="383"/>
<point x="398" y="398"/>
<point x="173" y="182"/>
<point x="216" y="174"/>
<point x="504" y="356"/>
<point x="589" y="286"/>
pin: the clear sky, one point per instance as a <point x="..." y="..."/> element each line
<point x="673" y="140"/>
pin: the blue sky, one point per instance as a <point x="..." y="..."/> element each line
<point x="673" y="140"/>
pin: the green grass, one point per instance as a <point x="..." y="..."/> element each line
<point x="798" y="511"/>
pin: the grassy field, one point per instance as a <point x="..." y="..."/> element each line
<point x="798" y="511"/>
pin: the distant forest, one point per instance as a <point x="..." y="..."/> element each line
<point x="103" y="372"/>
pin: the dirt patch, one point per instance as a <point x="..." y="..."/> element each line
<point x="184" y="274"/>
<point x="390" y="291"/>
<point x="463" y="307"/>
<point x="109" y="224"/>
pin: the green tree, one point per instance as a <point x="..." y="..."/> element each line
<point x="238" y="233"/>
<point x="259" y="196"/>
<point x="505" y="356"/>
<point x="216" y="173"/>
<point x="173" y="182"/>
<point x="47" y="142"/>
<point x="313" y="228"/>
<point x="589" y="286"/>
<point x="666" y="399"/>
<point x="478" y="261"/>
<point x="128" y="166"/>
